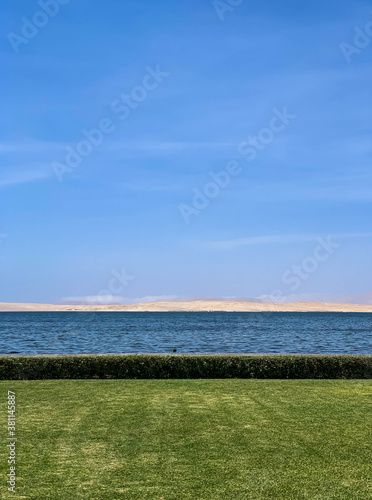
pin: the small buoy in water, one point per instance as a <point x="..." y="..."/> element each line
<point x="174" y="350"/>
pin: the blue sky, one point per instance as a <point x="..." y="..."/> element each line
<point x="222" y="79"/>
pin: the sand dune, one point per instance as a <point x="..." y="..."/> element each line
<point x="198" y="305"/>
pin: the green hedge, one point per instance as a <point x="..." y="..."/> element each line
<point x="166" y="367"/>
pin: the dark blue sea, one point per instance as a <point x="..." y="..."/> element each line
<point x="187" y="332"/>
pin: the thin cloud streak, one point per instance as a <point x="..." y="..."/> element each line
<point x="167" y="147"/>
<point x="15" y="178"/>
<point x="29" y="146"/>
<point x="151" y="188"/>
<point x="265" y="240"/>
<point x="113" y="299"/>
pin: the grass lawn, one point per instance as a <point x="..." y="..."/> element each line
<point x="191" y="439"/>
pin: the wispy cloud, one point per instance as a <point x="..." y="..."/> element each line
<point x="112" y="299"/>
<point x="26" y="161"/>
<point x="151" y="187"/>
<point x="95" y="300"/>
<point x="361" y="298"/>
<point x="348" y="188"/>
<point x="15" y="177"/>
<point x="167" y="146"/>
<point x="266" y="240"/>
<point x="29" y="146"/>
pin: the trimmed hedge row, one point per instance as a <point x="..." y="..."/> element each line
<point x="168" y="367"/>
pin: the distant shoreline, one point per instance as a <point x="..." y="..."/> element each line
<point x="192" y="306"/>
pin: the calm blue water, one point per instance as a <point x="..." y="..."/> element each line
<point x="204" y="332"/>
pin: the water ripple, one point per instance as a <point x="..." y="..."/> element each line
<point x="204" y="332"/>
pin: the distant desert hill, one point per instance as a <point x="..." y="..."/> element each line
<point x="195" y="305"/>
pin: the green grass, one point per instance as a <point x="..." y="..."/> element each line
<point x="191" y="439"/>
